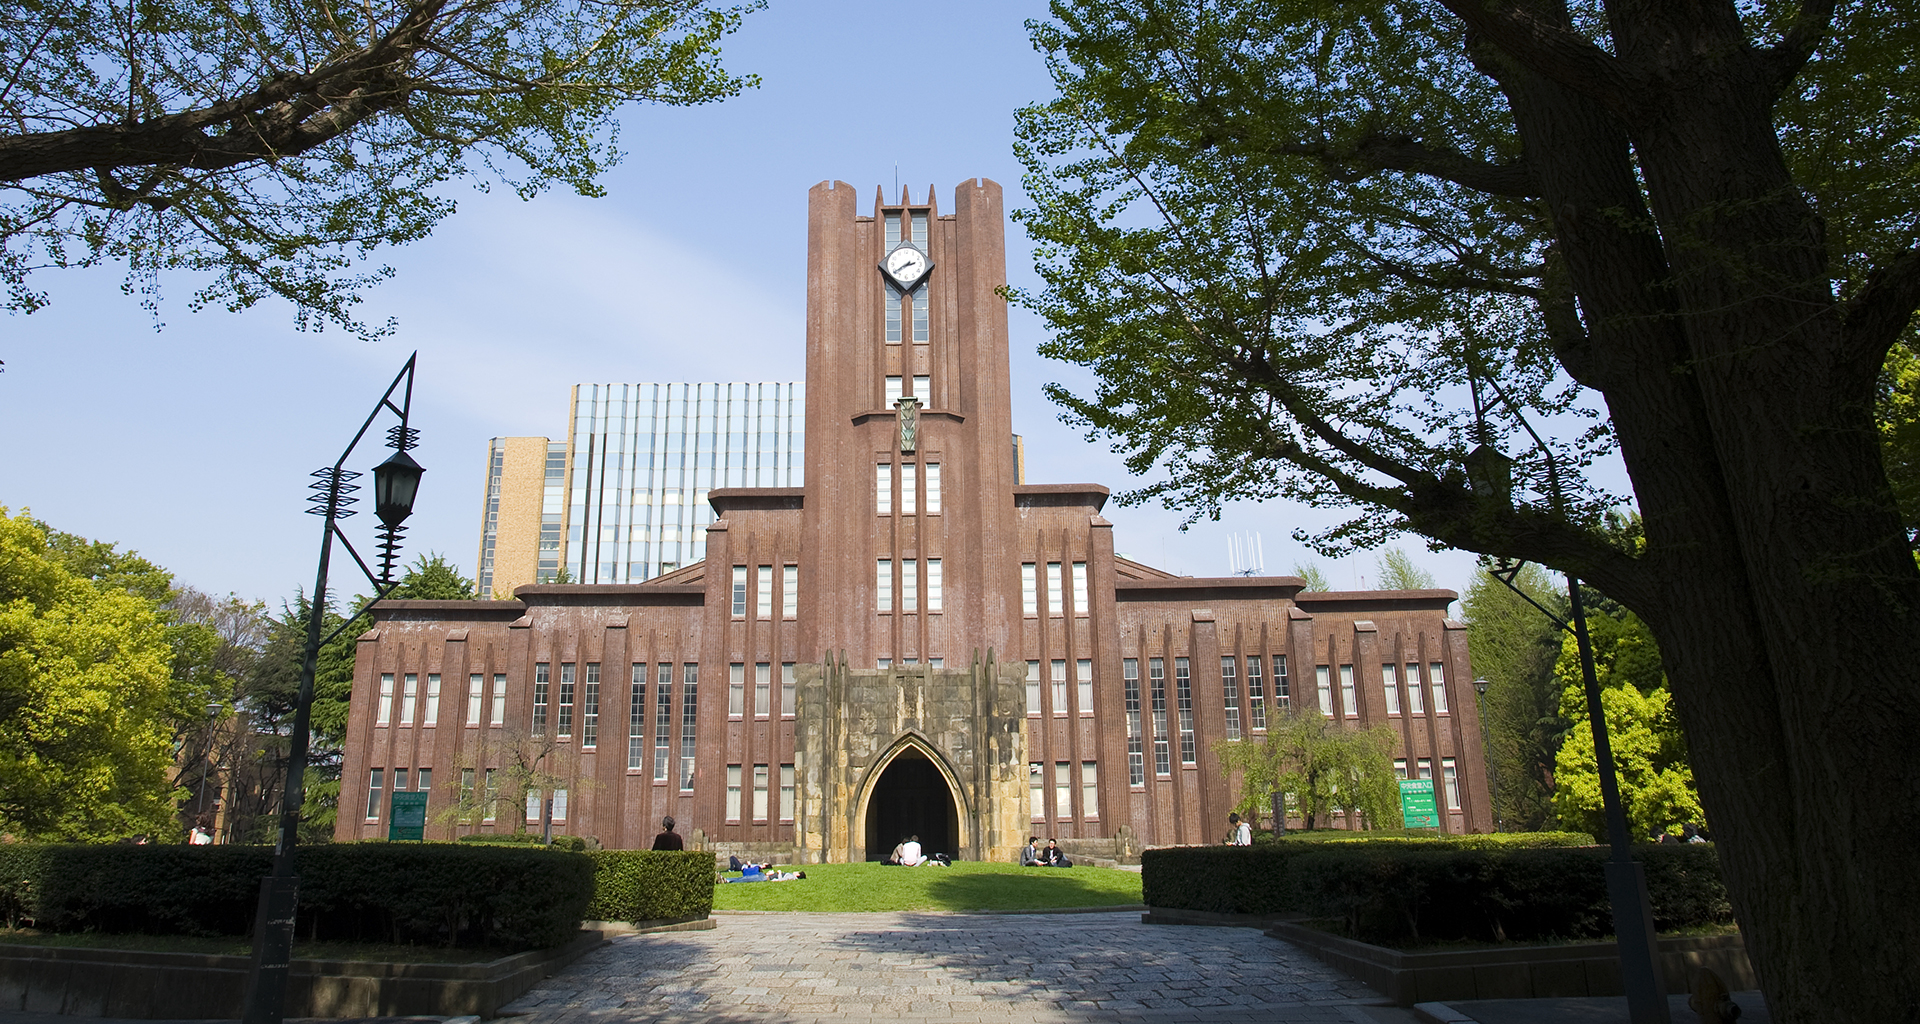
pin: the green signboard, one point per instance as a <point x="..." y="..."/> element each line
<point x="1416" y="803"/>
<point x="407" y="818"/>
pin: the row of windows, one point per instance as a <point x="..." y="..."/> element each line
<point x="763" y="591"/>
<point x="1450" y="778"/>
<point x="1390" y="681"/>
<point x="421" y="780"/>
<point x="1063" y="790"/>
<point x="1256" y="707"/>
<point x="1030" y="588"/>
<point x="761" y="778"/>
<point x="762" y="690"/>
<point x="909" y="599"/>
<point x="1083" y="675"/>
<point x="922" y="389"/>
<point x="920" y="321"/>
<point x="911" y="501"/>
<point x="409" y="697"/>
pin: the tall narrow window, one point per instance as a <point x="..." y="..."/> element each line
<point x="920" y="332"/>
<point x="489" y="797"/>
<point x="736" y="690"/>
<point x="1157" y="693"/>
<point x="1089" y="791"/>
<point x="733" y="792"/>
<point x="1136" y="759"/>
<point x="763" y="601"/>
<point x="1434" y="678"/>
<point x="375" y="780"/>
<point x="499" y="700"/>
<point x="1033" y="688"/>
<point x="759" y="792"/>
<point x="894" y="300"/>
<point x="883" y="584"/>
<point x="1400" y="768"/>
<point x="1029" y="594"/>
<point x="1080" y="588"/>
<point x="662" y="720"/>
<point x="431" y="714"/>
<point x="399" y="780"/>
<point x="1348" y="703"/>
<point x="894" y="391"/>
<point x="566" y="698"/>
<point x="790" y="592"/>
<point x="1426" y="767"/>
<point x="1451" y="780"/>
<point x="383" y="713"/>
<point x="786" y="689"/>
<point x="1256" y="693"/>
<point x="739" y="591"/>
<point x="466" y="795"/>
<point x="935" y="600"/>
<point x="1054" y="599"/>
<point x="425" y="785"/>
<point x="1183" y="693"/>
<point x="590" y="706"/>
<point x="542" y="679"/>
<point x="1063" y="789"/>
<point x="1323" y="682"/>
<point x="637" y="719"/>
<point x="909" y="584"/>
<point x="762" y="689"/>
<point x="476" y="694"/>
<point x="1230" y="694"/>
<point x="923" y="389"/>
<point x="786" y="792"/>
<point x="410" y="683"/>
<point x="689" y="718"/>
<point x="1416" y="697"/>
<point x="533" y="806"/>
<point x="1390" y="685"/>
<point x="1037" y="791"/>
<point x="1083" y="677"/>
<point x="909" y="489"/>
<point x="883" y="488"/>
<point x="933" y="488"/>
<point x="559" y="805"/>
<point x="1059" y="687"/>
<point x="1282" y="690"/>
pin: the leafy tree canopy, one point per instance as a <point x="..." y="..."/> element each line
<point x="1515" y="648"/>
<point x="275" y="147"/>
<point x="1396" y="570"/>
<point x="1317" y="765"/>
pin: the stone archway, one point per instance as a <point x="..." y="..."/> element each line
<point x="911" y="796"/>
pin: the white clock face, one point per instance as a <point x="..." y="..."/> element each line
<point x="906" y="265"/>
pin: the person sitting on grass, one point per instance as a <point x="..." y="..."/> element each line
<point x="1030" y="853"/>
<point x="910" y="855"/>
<point x="1054" y="857"/>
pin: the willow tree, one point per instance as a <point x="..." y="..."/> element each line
<point x="273" y="146"/>
<point x="1324" y="251"/>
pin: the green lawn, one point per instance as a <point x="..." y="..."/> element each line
<point x="965" y="886"/>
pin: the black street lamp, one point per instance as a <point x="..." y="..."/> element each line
<point x="396" y="481"/>
<point x="1493" y="774"/>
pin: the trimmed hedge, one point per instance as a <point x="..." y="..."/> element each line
<point x="575" y="844"/>
<point x="1408" y="892"/>
<point x="435" y="894"/>
<point x="651" y="885"/>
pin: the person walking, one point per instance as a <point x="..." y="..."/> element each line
<point x="1241" y="833"/>
<point x="668" y="839"/>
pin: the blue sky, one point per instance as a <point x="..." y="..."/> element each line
<point x="193" y="445"/>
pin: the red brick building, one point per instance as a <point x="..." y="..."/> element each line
<point x="913" y="641"/>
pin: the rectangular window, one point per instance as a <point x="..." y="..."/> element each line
<point x="489" y="797"/>
<point x="790" y="592"/>
<point x="1183" y="694"/>
<point x="1256" y="693"/>
<point x="883" y="584"/>
<point x="763" y="601"/>
<point x="762" y="689"/>
<point x="566" y="698"/>
<point x="909" y="489"/>
<point x="1400" y="768"/>
<point x="432" y="716"/>
<point x="1451" y="780"/>
<point x="399" y="780"/>
<point x="1029" y="594"/>
<point x="1416" y="698"/>
<point x="1037" y="791"/>
<point x="736" y="690"/>
<point x="1434" y="677"/>
<point x="375" y="780"/>
<point x="637" y="720"/>
<point x="689" y="718"/>
<point x="920" y="320"/>
<point x="1136" y="759"/>
<point x="476" y="696"/>
<point x="786" y="689"/>
<point x="1054" y="599"/>
<point x="733" y="792"/>
<point x="786" y="792"/>
<point x="894" y="391"/>
<point x="499" y="700"/>
<point x="410" y="683"/>
<point x="1390" y="684"/>
<point x="883" y="488"/>
<point x="739" y="591"/>
<point x="662" y="719"/>
<point x="1063" y="789"/>
<point x="893" y="308"/>
<point x="1083" y="677"/>
<point x="1348" y="703"/>
<point x="1282" y="690"/>
<point x="466" y="795"/>
<point x="542" y="679"/>
<point x="923" y="386"/>
<point x="1230" y="694"/>
<point x="590" y="706"/>
<point x="1089" y="791"/>
<point x="759" y="792"/>
<point x="559" y="805"/>
<point x="1426" y="767"/>
<point x="909" y="584"/>
<point x="933" y="488"/>
<point x="1157" y="693"/>
<point x="533" y="806"/>
<point x="935" y="600"/>
<point x="1079" y="588"/>
<point x="1323" y="682"/>
<point x="1033" y="688"/>
<point x="1059" y="679"/>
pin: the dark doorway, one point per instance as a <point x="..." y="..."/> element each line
<point x="912" y="798"/>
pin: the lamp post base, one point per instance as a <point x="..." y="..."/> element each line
<point x="272" y="949"/>
<point x="1639" y="969"/>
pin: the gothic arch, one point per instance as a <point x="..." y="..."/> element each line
<point x="912" y="745"/>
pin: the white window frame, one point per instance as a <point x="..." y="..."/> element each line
<point x="476" y="698"/>
<point x="883" y="489"/>
<point x="909" y="489"/>
<point x="762" y="689"/>
<point x="883" y="584"/>
<point x="736" y="690"/>
<point x="1055" y="599"/>
<point x="1349" y="695"/>
<point x="763" y="601"/>
<point x="1390" y="684"/>
<point x="936" y="600"/>
<point x="733" y="792"/>
<point x="1029" y="589"/>
<point x="430" y="715"/>
<point x="933" y="488"/>
<point x="1436" y="677"/>
<point x="1083" y="676"/>
<point x="1323" y="680"/>
<point x="1079" y="576"/>
<point x="409" y="700"/>
<point x="790" y="592"/>
<point x="383" y="712"/>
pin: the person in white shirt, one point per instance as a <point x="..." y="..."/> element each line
<point x="910" y="855"/>
<point x="1242" y="834"/>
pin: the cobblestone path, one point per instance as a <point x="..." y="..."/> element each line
<point x="856" y="968"/>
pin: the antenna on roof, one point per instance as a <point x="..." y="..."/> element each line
<point x="1246" y="554"/>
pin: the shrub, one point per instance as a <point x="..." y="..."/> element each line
<point x="651" y="885"/>
<point x="575" y="844"/>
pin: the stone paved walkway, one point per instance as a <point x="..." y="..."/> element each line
<point x="853" y="968"/>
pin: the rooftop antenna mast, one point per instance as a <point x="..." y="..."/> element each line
<point x="1247" y="554"/>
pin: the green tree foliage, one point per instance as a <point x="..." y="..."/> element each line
<point x="270" y="148"/>
<point x="1398" y="571"/>
<point x="1514" y="647"/>
<point x="87" y="689"/>
<point x="1898" y="414"/>
<point x="1316" y="579"/>
<point x="1318" y="766"/>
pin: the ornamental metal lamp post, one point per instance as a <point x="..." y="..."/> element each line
<point x="395" y="483"/>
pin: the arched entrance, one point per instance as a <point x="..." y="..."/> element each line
<point x="911" y="797"/>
